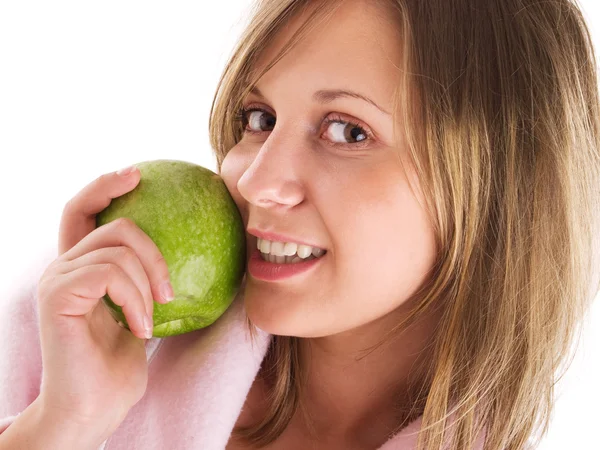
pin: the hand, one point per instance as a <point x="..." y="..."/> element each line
<point x="94" y="370"/>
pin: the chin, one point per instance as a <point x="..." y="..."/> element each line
<point x="273" y="316"/>
<point x="281" y="324"/>
<point x="294" y="314"/>
<point x="271" y="320"/>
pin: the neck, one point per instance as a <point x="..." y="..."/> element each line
<point x="356" y="398"/>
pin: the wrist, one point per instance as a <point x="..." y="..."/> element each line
<point x="37" y="428"/>
<point x="69" y="429"/>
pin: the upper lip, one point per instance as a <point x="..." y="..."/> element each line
<point x="273" y="236"/>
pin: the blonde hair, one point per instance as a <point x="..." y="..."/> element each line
<point x="500" y="111"/>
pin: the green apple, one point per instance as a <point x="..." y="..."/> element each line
<point x="190" y="215"/>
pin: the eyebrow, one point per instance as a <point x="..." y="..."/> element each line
<point x="325" y="96"/>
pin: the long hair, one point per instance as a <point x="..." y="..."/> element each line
<point x="499" y="106"/>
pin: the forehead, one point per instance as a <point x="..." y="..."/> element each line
<point x="358" y="46"/>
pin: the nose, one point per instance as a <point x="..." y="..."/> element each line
<point x="271" y="180"/>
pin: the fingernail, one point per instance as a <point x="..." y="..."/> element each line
<point x="147" y="326"/>
<point x="126" y="170"/>
<point x="166" y="290"/>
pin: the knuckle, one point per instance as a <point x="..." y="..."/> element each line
<point x="49" y="287"/>
<point x="45" y="287"/>
<point x="160" y="260"/>
<point x="59" y="265"/>
<point x="161" y="263"/>
<point x="123" y="223"/>
<point x="124" y="253"/>
<point x="108" y="269"/>
<point x="102" y="179"/>
<point x="68" y="207"/>
<point x="49" y="278"/>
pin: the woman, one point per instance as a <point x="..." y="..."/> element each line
<point x="440" y="162"/>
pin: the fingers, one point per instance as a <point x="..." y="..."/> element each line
<point x="124" y="232"/>
<point x="79" y="214"/>
<point x="76" y="293"/>
<point x="128" y="262"/>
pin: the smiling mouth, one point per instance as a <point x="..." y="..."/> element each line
<point x="288" y="259"/>
<point x="287" y="252"/>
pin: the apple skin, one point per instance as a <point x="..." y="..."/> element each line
<point x="190" y="215"/>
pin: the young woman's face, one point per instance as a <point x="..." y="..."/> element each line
<point x="324" y="170"/>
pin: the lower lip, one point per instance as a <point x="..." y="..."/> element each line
<point x="268" y="271"/>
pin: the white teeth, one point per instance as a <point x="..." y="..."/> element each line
<point x="304" y="251"/>
<point x="280" y="250"/>
<point x="290" y="249"/>
<point x="264" y="245"/>
<point x="277" y="248"/>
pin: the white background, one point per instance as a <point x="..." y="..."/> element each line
<point x="89" y="87"/>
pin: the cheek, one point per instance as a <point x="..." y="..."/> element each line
<point x="396" y="230"/>
<point x="385" y="247"/>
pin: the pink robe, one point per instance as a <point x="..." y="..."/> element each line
<point x="197" y="384"/>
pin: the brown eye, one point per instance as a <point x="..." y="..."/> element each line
<point x="258" y="120"/>
<point x="340" y="130"/>
<point x="345" y="132"/>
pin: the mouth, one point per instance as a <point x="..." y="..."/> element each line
<point x="288" y="259"/>
<point x="288" y="252"/>
<point x="263" y="269"/>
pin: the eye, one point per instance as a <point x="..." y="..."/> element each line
<point x="256" y="119"/>
<point x="337" y="129"/>
<point x="346" y="132"/>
